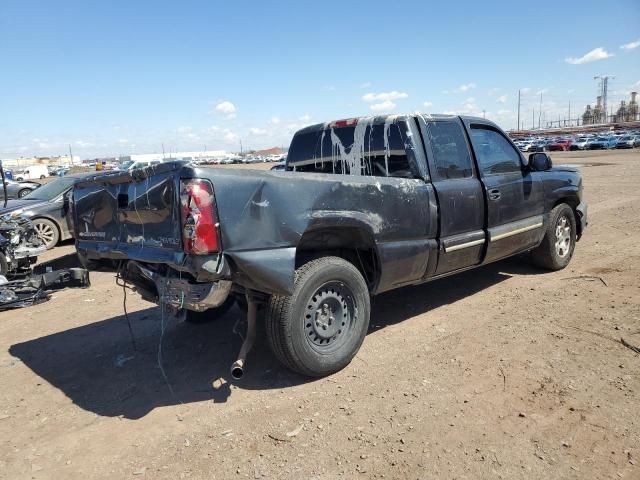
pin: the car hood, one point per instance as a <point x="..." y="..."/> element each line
<point x="564" y="168"/>
<point x="13" y="205"/>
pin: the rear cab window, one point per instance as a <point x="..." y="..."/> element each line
<point x="368" y="146"/>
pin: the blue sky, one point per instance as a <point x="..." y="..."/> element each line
<point x="120" y="77"/>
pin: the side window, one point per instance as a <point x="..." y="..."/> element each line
<point x="388" y="158"/>
<point x="450" y="152"/>
<point x="379" y="151"/>
<point x="495" y="154"/>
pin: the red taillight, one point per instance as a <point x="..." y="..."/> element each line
<point x="349" y="122"/>
<point x="199" y="219"/>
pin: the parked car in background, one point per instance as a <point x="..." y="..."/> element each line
<point x="579" y="143"/>
<point x="537" y="146"/>
<point x="562" y="144"/>
<point x="32" y="172"/>
<point x="18" y="189"/>
<point x="601" y="143"/>
<point x="279" y="167"/>
<point x="628" y="142"/>
<point x="47" y="207"/>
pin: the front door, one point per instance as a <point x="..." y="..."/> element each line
<point x="459" y="191"/>
<point x="514" y="195"/>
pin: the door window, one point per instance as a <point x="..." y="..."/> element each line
<point x="450" y="152"/>
<point x="494" y="152"/>
<point x="382" y="151"/>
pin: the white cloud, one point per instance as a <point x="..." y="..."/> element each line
<point x="274" y="121"/>
<point x="525" y="90"/>
<point x="385" y="106"/>
<point x="592" y="56"/>
<point x="384" y="96"/>
<point x="226" y="108"/>
<point x="502" y="99"/>
<point x="542" y="91"/>
<point x="183" y="129"/>
<point x="257" y="131"/>
<point x="365" y="85"/>
<point x="83" y="144"/>
<point x="427" y="104"/>
<point x="305" y="118"/>
<point x="123" y="141"/>
<point x="466" y="87"/>
<point x="630" y="45"/>
<point x="229" y="136"/>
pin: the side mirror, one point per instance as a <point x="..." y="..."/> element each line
<point x="539" y="162"/>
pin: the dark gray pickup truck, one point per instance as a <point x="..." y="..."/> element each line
<point x="365" y="205"/>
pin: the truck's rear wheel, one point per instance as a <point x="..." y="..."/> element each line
<point x="319" y="329"/>
<point x="212" y="314"/>
<point x="558" y="244"/>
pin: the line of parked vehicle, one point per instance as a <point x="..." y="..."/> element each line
<point x="592" y="141"/>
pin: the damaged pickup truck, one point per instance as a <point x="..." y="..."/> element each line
<point x="365" y="205"/>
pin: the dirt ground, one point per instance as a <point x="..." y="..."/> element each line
<point x="502" y="372"/>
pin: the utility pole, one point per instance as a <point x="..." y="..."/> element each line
<point x="533" y="118"/>
<point x="604" y="90"/>
<point x="70" y="155"/>
<point x="484" y="112"/>
<point x="540" y="111"/>
<point x="240" y="147"/>
<point x="569" y="112"/>
<point x="162" y="150"/>
<point x="518" y="109"/>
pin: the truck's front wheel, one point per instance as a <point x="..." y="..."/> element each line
<point x="559" y="242"/>
<point x="319" y="329"/>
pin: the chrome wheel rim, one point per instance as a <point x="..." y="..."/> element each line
<point x="563" y="236"/>
<point x="45" y="233"/>
<point x="22" y="193"/>
<point x="330" y="316"/>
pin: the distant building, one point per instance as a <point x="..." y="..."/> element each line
<point x="625" y="113"/>
<point x="63" y="160"/>
<point x="175" y="156"/>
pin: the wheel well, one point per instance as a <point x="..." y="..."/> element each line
<point x="573" y="202"/>
<point x="352" y="244"/>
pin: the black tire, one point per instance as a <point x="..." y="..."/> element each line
<point x="557" y="246"/>
<point x="319" y="329"/>
<point x="23" y="192"/>
<point x="47" y="231"/>
<point x="42" y="176"/>
<point x="212" y="314"/>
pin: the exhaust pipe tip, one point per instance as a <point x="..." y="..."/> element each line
<point x="237" y="369"/>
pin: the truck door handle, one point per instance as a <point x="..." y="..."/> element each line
<point x="494" y="194"/>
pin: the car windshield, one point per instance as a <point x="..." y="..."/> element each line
<point x="624" y="139"/>
<point x="126" y="165"/>
<point x="51" y="190"/>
